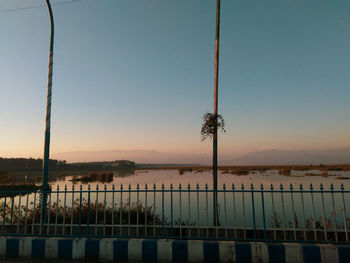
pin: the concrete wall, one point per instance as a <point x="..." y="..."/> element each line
<point x="148" y="250"/>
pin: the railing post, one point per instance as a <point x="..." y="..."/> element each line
<point x="313" y="211"/>
<point x="180" y="206"/>
<point x="234" y="210"/>
<point x="80" y="199"/>
<point x="113" y="190"/>
<point x="96" y="210"/>
<point x="334" y="214"/>
<point x="129" y="206"/>
<point x="294" y="218"/>
<point x="88" y="213"/>
<point x="225" y="210"/>
<point x="72" y="212"/>
<point x="138" y="208"/>
<point x="253" y="208"/>
<point x="283" y="215"/>
<point x="146" y="208"/>
<point x="263" y="209"/>
<point x="303" y="210"/>
<point x="323" y="214"/>
<point x="244" y="219"/>
<point x="344" y="213"/>
<point x="274" y="215"/>
<point x="121" y="211"/>
<point x="163" y="210"/>
<point x="154" y="211"/>
<point x="198" y="224"/>
<point x="171" y="210"/>
<point x="64" y="209"/>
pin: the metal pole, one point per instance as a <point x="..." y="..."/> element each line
<point x="45" y="186"/>
<point x="215" y="135"/>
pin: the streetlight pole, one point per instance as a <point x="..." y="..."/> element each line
<point x="45" y="172"/>
<point x="215" y="134"/>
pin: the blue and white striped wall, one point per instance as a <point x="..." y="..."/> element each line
<point x="146" y="250"/>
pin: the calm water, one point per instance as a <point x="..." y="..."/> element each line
<point x="168" y="177"/>
<point x="235" y="208"/>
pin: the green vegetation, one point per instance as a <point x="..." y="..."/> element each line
<point x="97" y="214"/>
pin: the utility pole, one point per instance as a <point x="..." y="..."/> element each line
<point x="215" y="135"/>
<point x="45" y="172"/>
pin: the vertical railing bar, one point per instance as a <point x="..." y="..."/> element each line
<point x="88" y="211"/>
<point x="217" y="218"/>
<point x="64" y="209"/>
<point x="154" y="209"/>
<point x="244" y="221"/>
<point x="303" y="209"/>
<point x="96" y="210"/>
<point x="33" y="221"/>
<point x="49" y="212"/>
<point x="11" y="212"/>
<point x="4" y="216"/>
<point x="104" y="209"/>
<point x="274" y="214"/>
<point x="163" y="216"/>
<point x="146" y="208"/>
<point x="334" y="214"/>
<point x="344" y="214"/>
<point x="113" y="205"/>
<point x="283" y="214"/>
<point x="19" y="210"/>
<point x="323" y="214"/>
<point x="206" y="208"/>
<point x="121" y="211"/>
<point x="57" y="201"/>
<point x="198" y="224"/>
<point x="80" y="203"/>
<point x="26" y="213"/>
<point x="313" y="212"/>
<point x="72" y="212"/>
<point x="253" y="210"/>
<point x="234" y="211"/>
<point x="129" y="216"/>
<point x="138" y="208"/>
<point x="294" y="216"/>
<point x="189" y="209"/>
<point x="41" y="213"/>
<point x="180" y="207"/>
<point x="171" y="210"/>
<point x="263" y="209"/>
<point x="225" y="210"/>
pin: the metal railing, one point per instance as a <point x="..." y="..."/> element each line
<point x="263" y="213"/>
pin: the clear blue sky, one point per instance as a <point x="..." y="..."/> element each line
<point x="139" y="74"/>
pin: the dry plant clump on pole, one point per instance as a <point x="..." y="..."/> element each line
<point x="210" y="122"/>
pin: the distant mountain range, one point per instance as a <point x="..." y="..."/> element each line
<point x="289" y="157"/>
<point x="266" y="157"/>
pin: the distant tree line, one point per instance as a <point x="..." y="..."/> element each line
<point x="119" y="164"/>
<point x="31" y="164"/>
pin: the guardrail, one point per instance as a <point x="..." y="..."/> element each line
<point x="251" y="214"/>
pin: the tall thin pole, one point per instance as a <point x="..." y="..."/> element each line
<point x="45" y="173"/>
<point x="215" y="135"/>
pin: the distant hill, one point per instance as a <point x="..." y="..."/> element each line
<point x="267" y="157"/>
<point x="280" y="157"/>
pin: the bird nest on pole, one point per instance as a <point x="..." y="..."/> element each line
<point x="211" y="122"/>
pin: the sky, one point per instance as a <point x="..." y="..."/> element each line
<point x="139" y="74"/>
